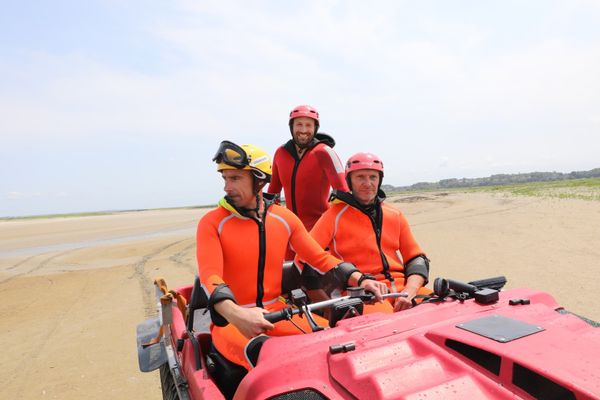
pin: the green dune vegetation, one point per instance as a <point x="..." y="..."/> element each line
<point x="583" y="185"/>
<point x="583" y="189"/>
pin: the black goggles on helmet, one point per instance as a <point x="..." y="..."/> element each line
<point x="231" y="154"/>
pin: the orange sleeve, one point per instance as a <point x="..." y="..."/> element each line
<point x="409" y="248"/>
<point x="322" y="232"/>
<point x="209" y="253"/>
<point x="307" y="248"/>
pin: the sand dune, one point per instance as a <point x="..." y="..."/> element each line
<point x="74" y="289"/>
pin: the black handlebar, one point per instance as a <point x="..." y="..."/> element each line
<point x="461" y="287"/>
<point x="441" y="289"/>
<point x="496" y="282"/>
<point x="276" y="316"/>
<point x="288" y="312"/>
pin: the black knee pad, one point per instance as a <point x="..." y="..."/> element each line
<point x="253" y="347"/>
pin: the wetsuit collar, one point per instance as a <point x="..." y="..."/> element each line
<point x="338" y="196"/>
<point x="268" y="200"/>
<point x="319" y="138"/>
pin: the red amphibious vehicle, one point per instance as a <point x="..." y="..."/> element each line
<point x="468" y="341"/>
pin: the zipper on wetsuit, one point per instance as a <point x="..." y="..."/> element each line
<point x="294" y="171"/>
<point x="294" y="153"/>
<point x="262" y="247"/>
<point x="384" y="261"/>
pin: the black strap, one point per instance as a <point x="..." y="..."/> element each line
<point x="364" y="277"/>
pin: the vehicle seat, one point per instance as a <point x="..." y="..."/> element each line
<point x="290" y="277"/>
<point x="198" y="314"/>
<point x="226" y="374"/>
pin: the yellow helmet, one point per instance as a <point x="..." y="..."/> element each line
<point x="246" y="156"/>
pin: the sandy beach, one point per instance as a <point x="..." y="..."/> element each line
<point x="74" y="289"/>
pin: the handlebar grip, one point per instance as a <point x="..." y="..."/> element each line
<point x="497" y="283"/>
<point x="461" y="287"/>
<point x="277" y="316"/>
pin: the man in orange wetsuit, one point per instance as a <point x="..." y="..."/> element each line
<point x="306" y="167"/>
<point x="360" y="228"/>
<point x="240" y="251"/>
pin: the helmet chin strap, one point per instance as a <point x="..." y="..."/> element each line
<point x="256" y="185"/>
<point x="256" y="191"/>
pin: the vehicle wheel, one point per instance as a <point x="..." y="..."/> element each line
<point x="169" y="391"/>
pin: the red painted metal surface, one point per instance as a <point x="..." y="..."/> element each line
<point x="406" y="355"/>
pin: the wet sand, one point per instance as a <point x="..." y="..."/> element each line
<point x="74" y="289"/>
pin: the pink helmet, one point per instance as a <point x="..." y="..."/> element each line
<point x="305" y="111"/>
<point x="363" y="161"/>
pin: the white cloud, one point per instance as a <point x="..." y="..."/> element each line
<point x="428" y="89"/>
<point x="239" y="66"/>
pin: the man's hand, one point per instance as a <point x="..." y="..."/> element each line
<point x="375" y="287"/>
<point x="404" y="303"/>
<point x="369" y="285"/>
<point x="413" y="284"/>
<point x="249" y="321"/>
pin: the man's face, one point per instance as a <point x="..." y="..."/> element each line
<point x="238" y="187"/>
<point x="303" y="130"/>
<point x="365" y="183"/>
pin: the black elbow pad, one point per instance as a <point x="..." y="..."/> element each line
<point x="311" y="279"/>
<point x="419" y="266"/>
<point x="342" y="272"/>
<point x="221" y="292"/>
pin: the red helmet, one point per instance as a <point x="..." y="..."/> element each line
<point x="305" y="111"/>
<point x="363" y="161"/>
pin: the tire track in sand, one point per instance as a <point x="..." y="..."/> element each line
<point x="28" y="362"/>
<point x="177" y="258"/>
<point x="146" y="282"/>
<point x="41" y="265"/>
<point x="17" y="265"/>
<point x="468" y="215"/>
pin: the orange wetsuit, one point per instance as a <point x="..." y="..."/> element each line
<point x="378" y="242"/>
<point x="247" y="255"/>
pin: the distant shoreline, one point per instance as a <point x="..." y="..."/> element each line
<point x="99" y="213"/>
<point x="581" y="188"/>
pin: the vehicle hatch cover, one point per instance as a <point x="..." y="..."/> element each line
<point x="499" y="328"/>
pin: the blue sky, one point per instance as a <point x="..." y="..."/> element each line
<point x="120" y="105"/>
